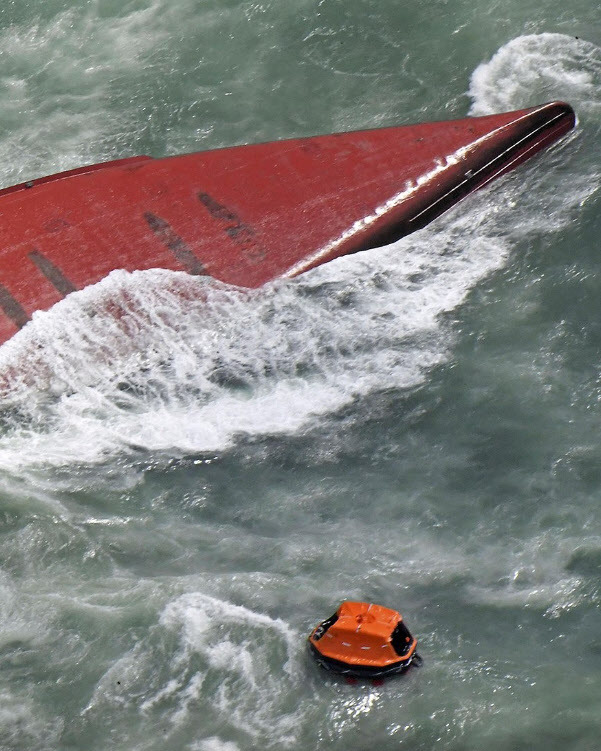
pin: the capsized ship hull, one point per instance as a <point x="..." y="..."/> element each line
<point x="250" y="214"/>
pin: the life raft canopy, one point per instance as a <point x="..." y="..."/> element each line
<point x="364" y="640"/>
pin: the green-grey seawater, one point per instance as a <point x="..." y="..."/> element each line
<point x="187" y="490"/>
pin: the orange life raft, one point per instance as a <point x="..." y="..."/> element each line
<point x="364" y="640"/>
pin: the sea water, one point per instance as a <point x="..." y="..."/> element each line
<point x="187" y="490"/>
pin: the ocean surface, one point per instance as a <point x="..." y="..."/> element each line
<point x="182" y="498"/>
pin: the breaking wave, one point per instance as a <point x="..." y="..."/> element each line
<point x="222" y="660"/>
<point x="160" y="361"/>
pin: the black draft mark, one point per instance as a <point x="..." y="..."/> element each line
<point x="55" y="276"/>
<point x="12" y="309"/>
<point x="235" y="228"/>
<point x="176" y="245"/>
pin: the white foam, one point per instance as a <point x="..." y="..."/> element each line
<point x="238" y="645"/>
<point x="190" y="365"/>
<point x="214" y="744"/>
<point x="197" y="616"/>
<point x="536" y="68"/>
<point x="220" y="660"/>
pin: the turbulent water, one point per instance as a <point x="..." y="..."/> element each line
<point x="187" y="489"/>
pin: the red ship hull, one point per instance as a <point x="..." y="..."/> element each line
<point x="250" y="214"/>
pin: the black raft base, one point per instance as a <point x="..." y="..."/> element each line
<point x="363" y="671"/>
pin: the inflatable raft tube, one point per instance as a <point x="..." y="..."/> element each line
<point x="250" y="214"/>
